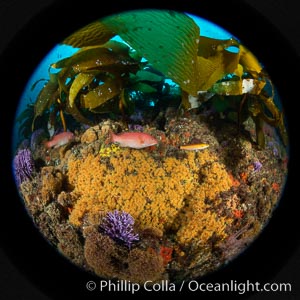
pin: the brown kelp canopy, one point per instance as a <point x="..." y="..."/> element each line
<point x="171" y="43"/>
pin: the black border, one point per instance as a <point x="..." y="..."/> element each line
<point x="24" y="246"/>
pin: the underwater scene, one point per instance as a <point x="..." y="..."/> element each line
<point x="150" y="145"/>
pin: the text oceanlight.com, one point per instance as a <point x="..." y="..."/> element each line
<point x="193" y="286"/>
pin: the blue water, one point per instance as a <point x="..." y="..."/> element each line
<point x="210" y="29"/>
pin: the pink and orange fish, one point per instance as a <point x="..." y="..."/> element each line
<point x="136" y="140"/>
<point x="60" y="139"/>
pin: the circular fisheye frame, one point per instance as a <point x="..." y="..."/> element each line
<point x="150" y="145"/>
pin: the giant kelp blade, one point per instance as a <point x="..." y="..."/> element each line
<point x="93" y="34"/>
<point x="82" y="80"/>
<point x="167" y="39"/>
<point x="117" y="47"/>
<point x="77" y="114"/>
<point x="63" y="76"/>
<point x="145" y="75"/>
<point x="238" y="87"/>
<point x="95" y="58"/>
<point x="143" y="87"/>
<point x="108" y="90"/>
<point x="25" y="114"/>
<point x="45" y="99"/>
<point x="249" y="61"/>
<point x="208" y="46"/>
<point x="215" y="68"/>
<point x="88" y="58"/>
<point x="210" y="71"/>
<point x="215" y="61"/>
<point x="37" y="82"/>
<point x="276" y="119"/>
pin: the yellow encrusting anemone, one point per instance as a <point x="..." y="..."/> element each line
<point x="162" y="194"/>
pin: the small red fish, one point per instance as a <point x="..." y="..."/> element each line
<point x="60" y="139"/>
<point x="136" y="140"/>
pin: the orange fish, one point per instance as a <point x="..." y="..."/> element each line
<point x="60" y="139"/>
<point x="194" y="147"/>
<point x="136" y="140"/>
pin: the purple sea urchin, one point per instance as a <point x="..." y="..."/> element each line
<point x="23" y="165"/>
<point x="119" y="226"/>
<point x="36" y="138"/>
<point x="257" y="166"/>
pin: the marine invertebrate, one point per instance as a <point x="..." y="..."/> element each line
<point x="119" y="226"/>
<point x="257" y="165"/>
<point x="145" y="265"/>
<point x="102" y="255"/>
<point x="51" y="183"/>
<point x="113" y="185"/>
<point x="235" y="243"/>
<point x="109" y="259"/>
<point x="36" y="138"/>
<point x="108" y="151"/>
<point x="135" y="127"/>
<point x="166" y="254"/>
<point x="70" y="243"/>
<point x="23" y="165"/>
<point x="171" y="193"/>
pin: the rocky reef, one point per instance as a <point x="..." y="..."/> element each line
<point x="183" y="213"/>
